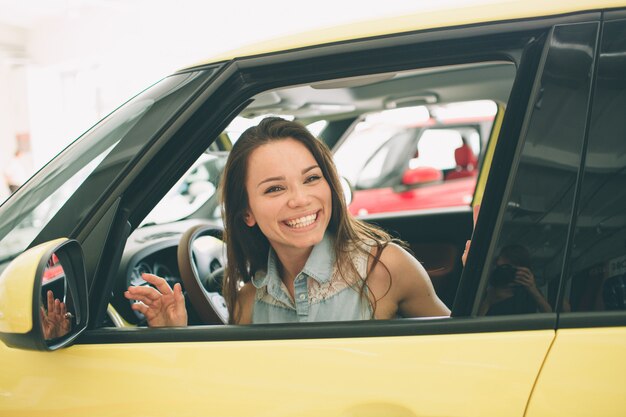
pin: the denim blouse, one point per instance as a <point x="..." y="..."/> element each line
<point x="321" y="294"/>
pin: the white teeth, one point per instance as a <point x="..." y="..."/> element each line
<point x="302" y="221"/>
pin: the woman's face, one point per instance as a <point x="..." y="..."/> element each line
<point x="289" y="197"/>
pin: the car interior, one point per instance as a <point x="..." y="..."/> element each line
<point x="331" y="110"/>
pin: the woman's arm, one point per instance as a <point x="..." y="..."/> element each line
<point x="404" y="285"/>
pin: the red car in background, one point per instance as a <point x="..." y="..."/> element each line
<point x="432" y="163"/>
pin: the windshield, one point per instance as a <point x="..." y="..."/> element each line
<point x="92" y="163"/>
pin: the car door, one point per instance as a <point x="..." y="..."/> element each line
<point x="583" y="373"/>
<point x="464" y="365"/>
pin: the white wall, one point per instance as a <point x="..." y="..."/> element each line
<point x="84" y="62"/>
<point x="13" y="102"/>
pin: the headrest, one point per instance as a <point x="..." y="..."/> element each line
<point x="464" y="156"/>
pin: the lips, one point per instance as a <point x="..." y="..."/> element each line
<point x="303" y="221"/>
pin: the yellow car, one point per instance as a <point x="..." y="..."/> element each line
<point x="136" y="193"/>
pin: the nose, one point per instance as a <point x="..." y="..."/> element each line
<point x="298" y="196"/>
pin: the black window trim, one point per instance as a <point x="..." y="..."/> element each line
<point x="505" y="159"/>
<point x="321" y="330"/>
<point x="584" y="319"/>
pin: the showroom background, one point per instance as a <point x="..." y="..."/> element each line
<point x="65" y="64"/>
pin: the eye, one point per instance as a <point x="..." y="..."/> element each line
<point x="312" y="178"/>
<point x="273" y="189"/>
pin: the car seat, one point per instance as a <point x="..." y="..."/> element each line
<point x="465" y="163"/>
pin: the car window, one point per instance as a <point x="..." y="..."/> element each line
<point x="436" y="149"/>
<point x="597" y="278"/>
<point x="379" y="142"/>
<point x="525" y="266"/>
<point x="393" y="156"/>
<point x="383" y="165"/>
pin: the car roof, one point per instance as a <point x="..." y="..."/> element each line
<point x="428" y="15"/>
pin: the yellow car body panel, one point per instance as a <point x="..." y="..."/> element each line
<point x="484" y="374"/>
<point x="430" y="16"/>
<point x="583" y="375"/>
<point x="16" y="285"/>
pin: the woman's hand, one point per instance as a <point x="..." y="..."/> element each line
<point x="162" y="307"/>
<point x="475" y="211"/>
<point x="54" y="322"/>
<point x="464" y="256"/>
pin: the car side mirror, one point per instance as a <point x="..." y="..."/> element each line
<point x="43" y="297"/>
<point x="421" y="175"/>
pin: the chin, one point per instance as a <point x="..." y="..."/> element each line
<point x="307" y="241"/>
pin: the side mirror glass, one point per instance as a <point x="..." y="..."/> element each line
<point x="43" y="297"/>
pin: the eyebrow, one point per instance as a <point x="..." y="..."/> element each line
<point x="282" y="178"/>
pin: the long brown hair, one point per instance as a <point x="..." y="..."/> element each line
<point x="247" y="247"/>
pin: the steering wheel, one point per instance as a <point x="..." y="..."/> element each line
<point x="201" y="260"/>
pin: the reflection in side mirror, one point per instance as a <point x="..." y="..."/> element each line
<point x="56" y="309"/>
<point x="43" y="297"/>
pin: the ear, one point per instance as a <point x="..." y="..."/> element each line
<point x="249" y="219"/>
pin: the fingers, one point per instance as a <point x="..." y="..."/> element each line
<point x="160" y="309"/>
<point x="140" y="307"/>
<point x="475" y="211"/>
<point x="178" y="293"/>
<point x="464" y="256"/>
<point x="158" y="282"/>
<point x="50" y="300"/>
<point x="523" y="276"/>
<point x="145" y="294"/>
<point x="148" y="299"/>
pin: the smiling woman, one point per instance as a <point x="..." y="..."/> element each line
<point x="548" y="176"/>
<point x="294" y="252"/>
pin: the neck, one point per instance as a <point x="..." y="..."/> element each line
<point x="292" y="262"/>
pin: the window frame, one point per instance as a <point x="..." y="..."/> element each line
<point x="513" y="172"/>
<point x="585" y="319"/>
<point x="243" y="78"/>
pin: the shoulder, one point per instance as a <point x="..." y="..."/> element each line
<point x="395" y="259"/>
<point x="395" y="252"/>
<point x="395" y="270"/>
<point x="410" y="287"/>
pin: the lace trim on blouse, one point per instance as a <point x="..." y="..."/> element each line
<point x="319" y="292"/>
